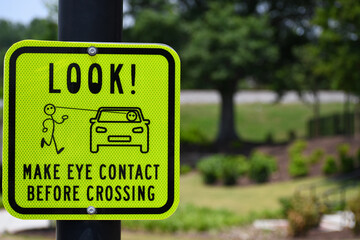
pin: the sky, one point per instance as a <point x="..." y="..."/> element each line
<point x="22" y="11"/>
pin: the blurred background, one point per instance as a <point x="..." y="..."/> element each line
<point x="270" y="114"/>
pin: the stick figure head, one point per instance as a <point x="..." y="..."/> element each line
<point x="131" y="116"/>
<point x="49" y="109"/>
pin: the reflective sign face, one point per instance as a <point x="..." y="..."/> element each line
<point x="91" y="131"/>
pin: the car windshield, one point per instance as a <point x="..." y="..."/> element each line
<point x="119" y="116"/>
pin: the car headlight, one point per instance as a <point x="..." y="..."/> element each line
<point x="138" y="130"/>
<point x="101" y="130"/>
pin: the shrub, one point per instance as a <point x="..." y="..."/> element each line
<point x="346" y="161"/>
<point x="297" y="148"/>
<point x="343" y="149"/>
<point x="232" y="168"/>
<point x="261" y="167"/>
<point x="316" y="156"/>
<point x="193" y="135"/>
<point x="184" y="169"/>
<point x="225" y="167"/>
<point x="286" y="205"/>
<point x="210" y="168"/>
<point x="330" y="167"/>
<point x="354" y="207"/>
<point x="298" y="166"/>
<point x="304" y="213"/>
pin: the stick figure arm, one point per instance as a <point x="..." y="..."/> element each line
<point x="64" y="117"/>
<point x="45" y="128"/>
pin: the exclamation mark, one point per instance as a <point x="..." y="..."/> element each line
<point x="133" y="77"/>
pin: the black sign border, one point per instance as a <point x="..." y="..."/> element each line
<point x="12" y="118"/>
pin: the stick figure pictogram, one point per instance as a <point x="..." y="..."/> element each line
<point x="49" y="110"/>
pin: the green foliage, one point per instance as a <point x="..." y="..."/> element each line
<point x="225" y="48"/>
<point x="330" y="167"/>
<point x="231" y="47"/>
<point x="346" y="161"/>
<point x="298" y="166"/>
<point x="261" y="167"/>
<point x="358" y="156"/>
<point x="286" y="205"/>
<point x="154" y="27"/>
<point x="210" y="168"/>
<point x="354" y="207"/>
<point x="222" y="167"/>
<point x="184" y="169"/>
<point x="189" y="218"/>
<point x="232" y="168"/>
<point x="338" y="42"/>
<point x="10" y="33"/>
<point x="316" y="156"/>
<point x="40" y="29"/>
<point x="303" y="214"/>
<point x="1" y="202"/>
<point x="297" y="148"/>
<point x="193" y="135"/>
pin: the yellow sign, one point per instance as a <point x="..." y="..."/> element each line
<point x="91" y="131"/>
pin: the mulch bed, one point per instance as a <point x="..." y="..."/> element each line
<point x="191" y="154"/>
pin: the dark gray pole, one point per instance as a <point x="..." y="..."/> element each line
<point x="90" y="21"/>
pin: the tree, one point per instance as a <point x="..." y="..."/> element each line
<point x="339" y="42"/>
<point x="225" y="48"/>
<point x="42" y="29"/>
<point x="10" y="34"/>
<point x="307" y="75"/>
<point x="155" y="27"/>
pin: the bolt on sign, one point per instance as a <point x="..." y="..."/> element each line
<point x="91" y="131"/>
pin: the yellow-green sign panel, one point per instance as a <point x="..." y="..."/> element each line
<point x="91" y="125"/>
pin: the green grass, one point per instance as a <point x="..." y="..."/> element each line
<point x="240" y="200"/>
<point x="254" y="122"/>
<point x="215" y="208"/>
<point x="190" y="218"/>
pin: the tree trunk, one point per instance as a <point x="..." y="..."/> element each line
<point x="227" y="131"/>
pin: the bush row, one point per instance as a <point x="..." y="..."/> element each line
<point x="344" y="163"/>
<point x="228" y="168"/>
<point x="299" y="163"/>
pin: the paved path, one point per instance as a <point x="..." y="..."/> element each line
<point x="261" y="96"/>
<point x="10" y="224"/>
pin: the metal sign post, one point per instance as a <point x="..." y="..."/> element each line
<point x="90" y="21"/>
<point x="91" y="126"/>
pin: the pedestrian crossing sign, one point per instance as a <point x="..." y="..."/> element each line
<point x="91" y="131"/>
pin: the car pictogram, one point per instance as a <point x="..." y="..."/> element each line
<point x="119" y="126"/>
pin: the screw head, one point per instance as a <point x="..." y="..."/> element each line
<point x="92" y="51"/>
<point x="91" y="210"/>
